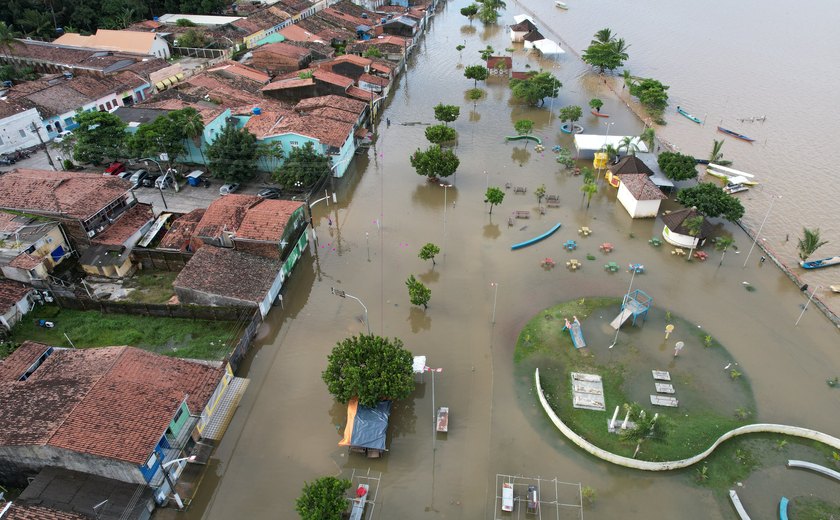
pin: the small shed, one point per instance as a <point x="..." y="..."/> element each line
<point x="639" y="195"/>
<point x="676" y="233"/>
<point x="113" y="261"/>
<point x="16" y="300"/>
<point x="366" y="427"/>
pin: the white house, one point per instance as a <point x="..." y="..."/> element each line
<point x="639" y="195"/>
<point x="136" y="42"/>
<point x="16" y="299"/>
<point x="17" y="121"/>
<point x="524" y="24"/>
<point x="677" y="233"/>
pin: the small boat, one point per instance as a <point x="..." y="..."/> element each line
<point x="735" y="134"/>
<point x="507" y="496"/>
<point x="734" y="187"/>
<point x="442" y="424"/>
<point x="834" y="288"/>
<point x="689" y="116"/>
<point x="598" y="114"/>
<point x="825" y="262"/>
<point x="561" y="5"/>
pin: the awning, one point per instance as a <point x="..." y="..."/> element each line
<point x="594" y="142"/>
<point x="215" y="428"/>
<point x="366" y="427"/>
<point x="170" y="81"/>
<point x="548" y="47"/>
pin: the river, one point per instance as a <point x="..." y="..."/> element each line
<point x="287" y="427"/>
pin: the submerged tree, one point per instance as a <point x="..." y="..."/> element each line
<point x="716" y="156"/>
<point x="435" y="162"/>
<point x="809" y="243"/>
<point x="606" y="51"/>
<point x="429" y="252"/>
<point x="711" y="201"/>
<point x="677" y="166"/>
<point x="323" y="499"/>
<point x="596" y="104"/>
<point x="494" y="196"/>
<point x="523" y="126"/>
<point x="571" y="114"/>
<point x="536" y="87"/>
<point x="648" y="137"/>
<point x="540" y="193"/>
<point x="476" y="73"/>
<point x="438" y="134"/>
<point x="418" y="293"/>
<point x="589" y="189"/>
<point x="470" y="11"/>
<point x="722" y="244"/>
<point x="447" y="113"/>
<point x="488" y="13"/>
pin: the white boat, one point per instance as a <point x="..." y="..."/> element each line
<point x="730" y="177"/>
<point x="507" y="496"/>
<point x="834" y="288"/>
<point x="561" y="5"/>
<point x="734" y="187"/>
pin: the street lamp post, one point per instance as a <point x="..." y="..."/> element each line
<point x="624" y="301"/>
<point x="445" y="186"/>
<point x="806" y="305"/>
<point x="343" y="294"/>
<point x="773" y="201"/>
<point x="165" y="468"/>
<point x="495" y="287"/>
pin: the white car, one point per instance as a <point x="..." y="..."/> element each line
<point x="228" y="188"/>
<point x="62" y="136"/>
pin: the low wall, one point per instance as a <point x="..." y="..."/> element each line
<point x="627" y="462"/>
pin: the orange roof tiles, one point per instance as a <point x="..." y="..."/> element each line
<point x="352" y="58"/>
<point x="126" y="225"/>
<point x="229" y="273"/>
<point x="288" y="83"/>
<point x="12" y="292"/>
<point x="374" y="80"/>
<point x="267" y="220"/>
<point x="224" y="214"/>
<point x="299" y="34"/>
<point x="126" y="41"/>
<point x="76" y="195"/>
<point x="283" y="49"/>
<point x="236" y="68"/>
<point x="333" y="78"/>
<point x="362" y="94"/>
<point x="641" y="187"/>
<point x="332" y="101"/>
<point x="181" y="231"/>
<point x="18" y="511"/>
<point x="25" y="261"/>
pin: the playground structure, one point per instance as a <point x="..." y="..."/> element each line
<point x="520" y="137"/>
<point x="575" y="332"/>
<point x="635" y="304"/>
<point x="534" y="240"/>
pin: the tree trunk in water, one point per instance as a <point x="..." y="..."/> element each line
<point x="491" y="209"/>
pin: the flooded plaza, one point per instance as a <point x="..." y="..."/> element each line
<point x="287" y="427"/>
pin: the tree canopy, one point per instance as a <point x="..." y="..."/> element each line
<point x="606" y="51"/>
<point x="435" y="162"/>
<point x="447" y="113"/>
<point x="651" y="93"/>
<point x="677" y="166"/>
<point x="523" y="126"/>
<point x="438" y="134"/>
<point x="100" y="137"/>
<point x="596" y="104"/>
<point x="711" y="201"/>
<point x="570" y="113"/>
<point x="809" y="243"/>
<point x="494" y="196"/>
<point x="302" y="168"/>
<point x="166" y="134"/>
<point x="323" y="499"/>
<point x="371" y="368"/>
<point x="233" y="154"/>
<point x="470" y="11"/>
<point x="476" y="73"/>
<point x="429" y="252"/>
<point x="418" y="293"/>
<point x="537" y="87"/>
<point x="372" y="52"/>
<point x="488" y="13"/>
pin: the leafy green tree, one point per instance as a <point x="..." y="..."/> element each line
<point x="488" y="13"/>
<point x="435" y="162"/>
<point x="418" y="293"/>
<point x="611" y="151"/>
<point x="809" y="243"/>
<point x="588" y="175"/>
<point x="429" y="252"/>
<point x="193" y="128"/>
<point x="716" y="156"/>
<point x="303" y="168"/>
<point x="523" y="126"/>
<point x="589" y="189"/>
<point x="447" y="113"/>
<point x="372" y="52"/>
<point x="269" y="153"/>
<point x="564" y="157"/>
<point x="677" y="166"/>
<point x="99" y="137"/>
<point x="596" y="104"/>
<point x="606" y="51"/>
<point x="722" y="244"/>
<point x="36" y="23"/>
<point x="571" y="114"/>
<point x="648" y="137"/>
<point x="193" y="39"/>
<point x="233" y="154"/>
<point x="487" y="52"/>
<point x="476" y="73"/>
<point x="537" y="87"/>
<point x="628" y="144"/>
<point x="163" y="135"/>
<point x="693" y="226"/>
<point x="7" y="39"/>
<point x="371" y="368"/>
<point x="603" y="36"/>
<point x="323" y="499"/>
<point x="494" y="196"/>
<point x="652" y="94"/>
<point x="460" y="48"/>
<point x="438" y="134"/>
<point x="711" y="201"/>
<point x="540" y="193"/>
<point x="470" y="11"/>
<point x="183" y="22"/>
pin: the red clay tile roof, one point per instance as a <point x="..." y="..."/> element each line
<point x="236" y="68"/>
<point x="374" y="80"/>
<point x="267" y="220"/>
<point x="332" y="78"/>
<point x="225" y="214"/>
<point x="362" y="94"/>
<point x="19" y="511"/>
<point x="112" y="402"/>
<point x="334" y="113"/>
<point x="493" y="62"/>
<point x="288" y="83"/>
<point x="25" y="261"/>
<point x="630" y="164"/>
<point x="283" y="49"/>
<point x="331" y="101"/>
<point x="76" y="195"/>
<point x="299" y="34"/>
<point x="381" y="66"/>
<point x="12" y="292"/>
<point x="520" y="75"/>
<point x="352" y="58"/>
<point x="126" y="225"/>
<point x="641" y="187"/>
<point x="230" y="273"/>
<point x="263" y="125"/>
<point x="328" y="131"/>
<point x="181" y="231"/>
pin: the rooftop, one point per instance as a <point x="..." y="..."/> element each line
<point x="181" y="231"/>
<point x="126" y="226"/>
<point x="19" y="511"/>
<point x="331" y="101"/>
<point x="630" y="164"/>
<point x="126" y="41"/>
<point x="675" y="219"/>
<point x="641" y="187"/>
<point x="225" y="214"/>
<point x="332" y="78"/>
<point x="283" y="49"/>
<point x="374" y="80"/>
<point x="198" y="19"/>
<point x="76" y="195"/>
<point x="230" y="273"/>
<point x="12" y="292"/>
<point x="233" y="68"/>
<point x="112" y="402"/>
<point x="267" y="220"/>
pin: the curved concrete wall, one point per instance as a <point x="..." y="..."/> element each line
<point x="677" y="464"/>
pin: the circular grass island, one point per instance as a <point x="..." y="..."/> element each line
<point x="712" y="390"/>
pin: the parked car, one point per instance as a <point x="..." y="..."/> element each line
<point x="137" y="177"/>
<point x="149" y="179"/>
<point x="115" y="168"/>
<point x="163" y="182"/>
<point x="228" y="188"/>
<point x="269" y="193"/>
<point x="62" y="136"/>
<point x="125" y="175"/>
<point x="6" y="160"/>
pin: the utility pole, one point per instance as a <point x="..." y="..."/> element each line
<point x="37" y="130"/>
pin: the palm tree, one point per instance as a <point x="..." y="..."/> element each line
<point x="603" y="36"/>
<point x="693" y="225"/>
<point x="611" y="152"/>
<point x="717" y="156"/>
<point x="649" y="138"/>
<point x="7" y="38"/>
<point x="193" y="126"/>
<point x="722" y="244"/>
<point x="628" y="144"/>
<point x="589" y="189"/>
<point x="620" y="47"/>
<point x="809" y="243"/>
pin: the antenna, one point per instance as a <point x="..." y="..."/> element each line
<point x="97" y="507"/>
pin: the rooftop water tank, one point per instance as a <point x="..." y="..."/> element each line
<point x="256" y="111"/>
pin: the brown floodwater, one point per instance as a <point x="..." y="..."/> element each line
<point x="287" y="427"/>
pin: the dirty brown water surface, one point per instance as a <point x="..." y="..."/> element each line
<point x="287" y="427"/>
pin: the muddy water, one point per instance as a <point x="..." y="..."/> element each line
<point x="287" y="427"/>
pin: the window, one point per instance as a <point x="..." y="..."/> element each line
<point x="108" y="105"/>
<point x="152" y="460"/>
<point x="178" y="415"/>
<point x="22" y="132"/>
<point x="101" y="108"/>
<point x="294" y="144"/>
<point x="49" y="129"/>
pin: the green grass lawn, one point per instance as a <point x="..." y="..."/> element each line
<point x="197" y="339"/>
<point x="151" y="286"/>
<point x="543" y="344"/>
<point x="810" y="508"/>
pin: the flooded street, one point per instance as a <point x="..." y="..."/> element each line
<point x="287" y="427"/>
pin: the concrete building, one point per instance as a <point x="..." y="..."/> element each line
<point x="639" y="195"/>
<point x="16" y="300"/>
<point x="30" y="248"/>
<point x="135" y="42"/>
<point x="20" y="124"/>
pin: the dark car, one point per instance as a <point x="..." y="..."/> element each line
<point x="149" y="180"/>
<point x="269" y="193"/>
<point x="137" y="178"/>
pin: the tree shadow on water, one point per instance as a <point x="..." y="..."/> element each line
<point x="492" y="231"/>
<point x="520" y="155"/>
<point x="419" y="320"/>
<point x="430" y="276"/>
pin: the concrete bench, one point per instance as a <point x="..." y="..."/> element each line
<point x="522" y="214"/>
<point x="520" y="189"/>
